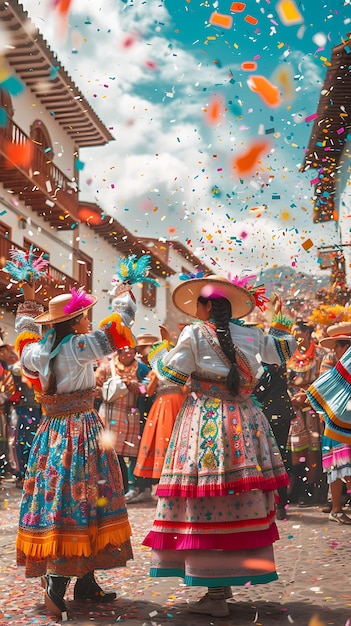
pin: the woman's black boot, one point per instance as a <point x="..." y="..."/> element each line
<point x="55" y="589"/>
<point x="86" y="588"/>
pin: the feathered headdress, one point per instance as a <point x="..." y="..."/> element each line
<point x="25" y="266"/>
<point x="258" y="291"/>
<point x="132" y="270"/>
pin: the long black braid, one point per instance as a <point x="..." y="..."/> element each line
<point x="62" y="329"/>
<point x="222" y="312"/>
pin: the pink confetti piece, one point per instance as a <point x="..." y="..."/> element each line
<point x="311" y="117"/>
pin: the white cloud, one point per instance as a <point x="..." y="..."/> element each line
<point x="157" y="176"/>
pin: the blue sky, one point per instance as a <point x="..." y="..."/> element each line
<point x="151" y="69"/>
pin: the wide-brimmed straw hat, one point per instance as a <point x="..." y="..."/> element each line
<point x="337" y="332"/>
<point x="186" y="294"/>
<point x="66" y="306"/>
<point x="146" y="340"/>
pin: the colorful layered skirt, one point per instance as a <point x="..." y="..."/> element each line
<point x="157" y="432"/>
<point x="336" y="459"/>
<point x="73" y="517"/>
<point x="215" y="517"/>
<point x="330" y="395"/>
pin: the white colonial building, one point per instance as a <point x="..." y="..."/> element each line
<point x="44" y="122"/>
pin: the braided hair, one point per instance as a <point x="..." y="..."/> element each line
<point x="62" y="329"/>
<point x="222" y="312"/>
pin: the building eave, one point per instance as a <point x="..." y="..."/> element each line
<point x="30" y="51"/>
<point x="118" y="236"/>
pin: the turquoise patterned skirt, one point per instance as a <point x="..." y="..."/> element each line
<point x="73" y="517"/>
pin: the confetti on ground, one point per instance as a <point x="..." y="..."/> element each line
<point x="315" y="621"/>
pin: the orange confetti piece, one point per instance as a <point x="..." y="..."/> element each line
<point x="220" y="19"/>
<point x="237" y="7"/>
<point x="214" y="110"/>
<point x="245" y="163"/>
<point x="63" y="6"/>
<point x="265" y="89"/>
<point x="315" y="621"/>
<point x="251" y="20"/>
<point x="288" y="12"/>
<point x="258" y="564"/>
<point x="307" y="244"/>
<point x="90" y="217"/>
<point x="249" y="66"/>
<point x="19" y="154"/>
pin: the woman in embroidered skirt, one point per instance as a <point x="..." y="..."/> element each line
<point x="158" y="428"/>
<point x="73" y="518"/>
<point x="215" y="518"/>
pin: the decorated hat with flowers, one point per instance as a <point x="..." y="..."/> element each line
<point x="66" y="306"/>
<point x="242" y="296"/>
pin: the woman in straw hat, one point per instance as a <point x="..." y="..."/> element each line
<point x="215" y="519"/>
<point x="73" y="518"/>
<point x="323" y="395"/>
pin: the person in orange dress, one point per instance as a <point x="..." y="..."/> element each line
<point x="157" y="431"/>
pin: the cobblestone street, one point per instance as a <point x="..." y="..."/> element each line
<point x="313" y="559"/>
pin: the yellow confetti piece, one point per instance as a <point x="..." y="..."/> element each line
<point x="288" y="12"/>
<point x="101" y="501"/>
<point x="285" y="216"/>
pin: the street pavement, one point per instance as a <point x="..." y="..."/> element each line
<point x="314" y="588"/>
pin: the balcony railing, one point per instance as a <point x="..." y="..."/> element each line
<point x="32" y="162"/>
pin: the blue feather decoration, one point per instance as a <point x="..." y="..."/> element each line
<point x="199" y="274"/>
<point x="25" y="266"/>
<point x="132" y="270"/>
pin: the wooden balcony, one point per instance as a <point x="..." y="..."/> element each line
<point x="9" y="292"/>
<point x="27" y="172"/>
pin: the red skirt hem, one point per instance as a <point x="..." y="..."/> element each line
<point x="202" y="491"/>
<point x="231" y="541"/>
